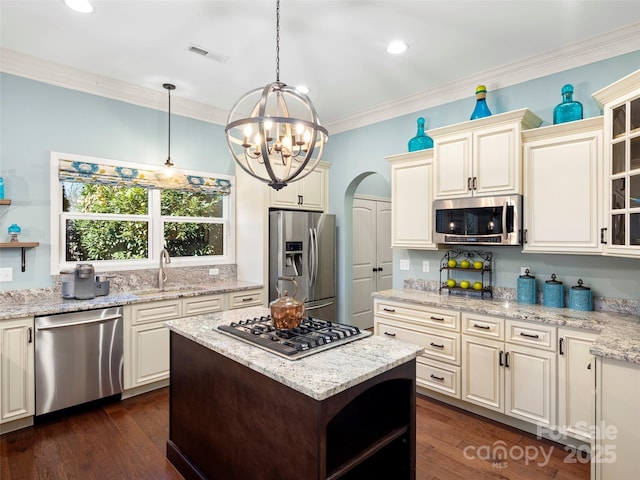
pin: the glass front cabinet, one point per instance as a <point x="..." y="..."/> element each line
<point x="621" y="105"/>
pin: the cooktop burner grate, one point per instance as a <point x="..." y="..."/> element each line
<point x="312" y="336"/>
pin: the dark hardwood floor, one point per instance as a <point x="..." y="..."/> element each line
<point x="126" y="440"/>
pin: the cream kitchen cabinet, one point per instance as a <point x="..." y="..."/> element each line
<point x="510" y="376"/>
<point x="412" y="196"/>
<point x="146" y="341"/>
<point x="563" y="187"/>
<point x="621" y="106"/>
<point x="437" y="330"/>
<point x="614" y="454"/>
<point x="309" y="193"/>
<point x="481" y="157"/>
<point x="576" y="383"/>
<point x="17" y="396"/>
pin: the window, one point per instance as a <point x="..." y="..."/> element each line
<point x="122" y="225"/>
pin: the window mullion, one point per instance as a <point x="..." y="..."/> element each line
<point x="156" y="239"/>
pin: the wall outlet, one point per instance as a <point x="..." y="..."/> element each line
<point x="404" y="264"/>
<point x="214" y="271"/>
<point x="6" y="274"/>
<point x="425" y="266"/>
<point x="523" y="270"/>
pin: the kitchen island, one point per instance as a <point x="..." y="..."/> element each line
<point x="238" y="412"/>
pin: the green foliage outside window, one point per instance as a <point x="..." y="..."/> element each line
<point x="119" y="239"/>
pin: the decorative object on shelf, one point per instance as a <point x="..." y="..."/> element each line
<point x="481" y="110"/>
<point x="527" y="291"/>
<point x="421" y="141"/>
<point x="1" y="188"/>
<point x="569" y="110"/>
<point x="580" y="297"/>
<point x="475" y="262"/>
<point x="271" y="144"/>
<point x="168" y="164"/>
<point x="553" y="293"/>
<point x="14" y="230"/>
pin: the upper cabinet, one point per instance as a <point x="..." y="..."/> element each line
<point x="412" y="195"/>
<point x="481" y="157"/>
<point x="562" y="187"/>
<point x="621" y="105"/>
<point x="309" y="193"/>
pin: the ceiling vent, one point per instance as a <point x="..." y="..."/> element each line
<point x="205" y="52"/>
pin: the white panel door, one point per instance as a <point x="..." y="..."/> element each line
<point x="372" y="256"/>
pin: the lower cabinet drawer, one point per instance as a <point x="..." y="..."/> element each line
<point x="438" y="376"/>
<point x="247" y="298"/>
<point x="531" y="334"/>
<point x="438" y="345"/>
<point x="202" y="304"/>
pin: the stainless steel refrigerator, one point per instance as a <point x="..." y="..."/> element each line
<point x="302" y="245"/>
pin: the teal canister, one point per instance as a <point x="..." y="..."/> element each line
<point x="553" y="293"/>
<point x="527" y="291"/>
<point x="580" y="297"/>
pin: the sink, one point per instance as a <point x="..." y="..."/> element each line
<point x="154" y="292"/>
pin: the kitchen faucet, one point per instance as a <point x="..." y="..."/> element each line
<point x="162" y="276"/>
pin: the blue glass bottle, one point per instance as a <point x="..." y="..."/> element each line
<point x="421" y="141"/>
<point x="481" y="110"/>
<point x="569" y="110"/>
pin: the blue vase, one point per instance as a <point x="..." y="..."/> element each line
<point x="569" y="110"/>
<point x="421" y="141"/>
<point x="481" y="110"/>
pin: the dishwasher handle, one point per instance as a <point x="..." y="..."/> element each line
<point x="83" y="322"/>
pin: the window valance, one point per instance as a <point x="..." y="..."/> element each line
<point x="105" y="174"/>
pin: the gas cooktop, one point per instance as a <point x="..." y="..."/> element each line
<point x="312" y="336"/>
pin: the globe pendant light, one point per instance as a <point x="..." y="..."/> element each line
<point x="168" y="164"/>
<point x="274" y="133"/>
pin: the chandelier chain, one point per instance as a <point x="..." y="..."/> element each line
<point x="277" y="40"/>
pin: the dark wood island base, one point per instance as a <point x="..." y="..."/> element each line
<point x="229" y="422"/>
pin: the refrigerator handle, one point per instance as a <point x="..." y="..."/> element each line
<point x="315" y="263"/>
<point x="312" y="257"/>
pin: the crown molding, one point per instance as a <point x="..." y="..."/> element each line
<point x="34" y="68"/>
<point x="609" y="45"/>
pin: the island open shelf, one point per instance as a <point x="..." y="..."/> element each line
<point x="230" y="421"/>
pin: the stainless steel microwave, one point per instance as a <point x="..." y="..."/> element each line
<point x="479" y="220"/>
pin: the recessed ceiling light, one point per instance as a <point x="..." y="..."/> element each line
<point x="82" y="6"/>
<point x="396" y="47"/>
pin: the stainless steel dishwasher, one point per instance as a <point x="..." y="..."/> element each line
<point x="78" y="358"/>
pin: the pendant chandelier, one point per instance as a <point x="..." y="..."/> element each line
<point x="274" y="133"/>
<point x="168" y="164"/>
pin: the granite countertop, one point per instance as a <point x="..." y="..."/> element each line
<point x="619" y="332"/>
<point x="45" y="302"/>
<point x="318" y="376"/>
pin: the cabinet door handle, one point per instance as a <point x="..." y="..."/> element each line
<point x="392" y="310"/>
<point x="390" y="334"/>
<point x="589" y="366"/>
<point x="603" y="238"/>
<point x="506" y="359"/>
<point x="524" y="236"/>
<point x="500" y="362"/>
<point x="375" y="269"/>
<point x="469" y="183"/>
<point x="436" y="345"/>
<point x="560" y="346"/>
<point x="435" y="377"/>
<point x="29" y="335"/>
<point x="528" y="335"/>
<point x="439" y="319"/>
<point x="300" y="200"/>
<point x="475" y="183"/>
<point x="379" y="269"/>
<point x="483" y="327"/>
<point x="247" y="299"/>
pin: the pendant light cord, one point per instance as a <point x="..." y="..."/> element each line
<point x="278" y="41"/>
<point x="169" y="139"/>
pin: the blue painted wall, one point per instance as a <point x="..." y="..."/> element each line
<point x="356" y="153"/>
<point x="36" y="118"/>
